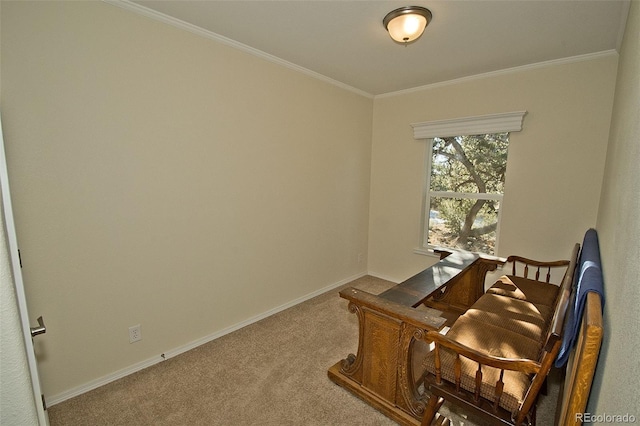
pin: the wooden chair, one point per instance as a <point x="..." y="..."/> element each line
<point x="492" y="408"/>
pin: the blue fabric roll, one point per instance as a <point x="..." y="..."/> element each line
<point x="588" y="277"/>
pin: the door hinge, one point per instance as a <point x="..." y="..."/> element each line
<point x="20" y="258"/>
<point x="44" y="403"/>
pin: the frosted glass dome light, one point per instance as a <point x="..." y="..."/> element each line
<point x="407" y="24"/>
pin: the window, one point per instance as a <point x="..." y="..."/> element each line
<point x="464" y="190"/>
<point x="466" y="167"/>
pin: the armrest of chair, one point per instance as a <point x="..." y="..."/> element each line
<point x="527" y="366"/>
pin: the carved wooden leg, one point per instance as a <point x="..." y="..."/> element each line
<point x="430" y="411"/>
<point x="409" y="398"/>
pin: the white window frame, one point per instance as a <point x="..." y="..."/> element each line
<point x="477" y="125"/>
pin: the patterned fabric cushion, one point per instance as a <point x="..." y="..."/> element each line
<point x="515" y="309"/>
<point x="491" y="340"/>
<point x="524" y="326"/>
<point x="536" y="292"/>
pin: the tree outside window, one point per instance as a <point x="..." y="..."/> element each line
<point x="464" y="192"/>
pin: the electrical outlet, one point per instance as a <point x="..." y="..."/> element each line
<point x="135" y="334"/>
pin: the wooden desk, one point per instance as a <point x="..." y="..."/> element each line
<point x="386" y="372"/>
<point x="453" y="266"/>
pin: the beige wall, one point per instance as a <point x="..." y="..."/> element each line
<point x="163" y="179"/>
<point x="615" y="389"/>
<point x="554" y="170"/>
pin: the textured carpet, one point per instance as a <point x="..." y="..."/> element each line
<point x="273" y="372"/>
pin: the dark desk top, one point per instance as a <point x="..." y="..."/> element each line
<point x="412" y="291"/>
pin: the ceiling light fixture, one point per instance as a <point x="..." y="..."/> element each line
<point x="407" y="24"/>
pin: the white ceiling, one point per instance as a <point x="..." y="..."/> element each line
<point x="345" y="41"/>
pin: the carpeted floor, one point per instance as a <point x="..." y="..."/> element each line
<point x="273" y="372"/>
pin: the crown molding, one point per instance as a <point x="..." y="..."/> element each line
<point x="537" y="65"/>
<point x="161" y="17"/>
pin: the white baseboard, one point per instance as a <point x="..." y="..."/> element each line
<point x="94" y="384"/>
<point x="79" y="390"/>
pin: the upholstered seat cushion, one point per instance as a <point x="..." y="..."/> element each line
<point x="536" y="292"/>
<point x="515" y="310"/>
<point x="525" y="326"/>
<point x="492" y="340"/>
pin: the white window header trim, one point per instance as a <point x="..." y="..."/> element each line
<point x="479" y="125"/>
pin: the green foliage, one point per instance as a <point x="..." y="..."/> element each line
<point x="454" y="211"/>
<point x="473" y="164"/>
<point x="476" y="163"/>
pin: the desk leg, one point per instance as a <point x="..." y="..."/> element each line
<point x="408" y="397"/>
<point x="382" y="371"/>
